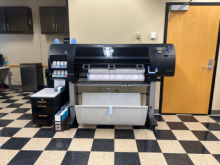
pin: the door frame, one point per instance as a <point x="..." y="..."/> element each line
<point x="168" y="4"/>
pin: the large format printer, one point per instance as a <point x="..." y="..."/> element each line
<point x="111" y="65"/>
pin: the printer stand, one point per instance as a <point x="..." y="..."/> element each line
<point x="151" y="102"/>
<point x="73" y="90"/>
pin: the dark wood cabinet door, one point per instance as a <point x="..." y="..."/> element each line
<point x="61" y="20"/>
<point x="17" y="19"/>
<point x="47" y="19"/>
<point x="2" y="19"/>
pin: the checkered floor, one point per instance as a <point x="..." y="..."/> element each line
<point x="178" y="139"/>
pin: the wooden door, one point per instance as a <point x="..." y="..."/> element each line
<point x="61" y="20"/>
<point x="2" y="19"/>
<point x="17" y="20"/>
<point x="47" y="20"/>
<point x="194" y="34"/>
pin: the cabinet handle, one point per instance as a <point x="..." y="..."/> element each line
<point x="4" y="25"/>
<point x="56" y="26"/>
<point x="42" y="115"/>
<point x="42" y="102"/>
<point x="8" y="26"/>
<point x="53" y="26"/>
<point x="42" y="106"/>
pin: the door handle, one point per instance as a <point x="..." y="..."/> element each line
<point x="56" y="26"/>
<point x="210" y="64"/>
<point x="8" y="26"/>
<point x="53" y="26"/>
<point x="4" y="25"/>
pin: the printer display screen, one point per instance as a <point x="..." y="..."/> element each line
<point x="162" y="48"/>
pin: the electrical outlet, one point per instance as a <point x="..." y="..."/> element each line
<point x="108" y="90"/>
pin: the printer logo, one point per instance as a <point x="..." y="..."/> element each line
<point x="65" y="52"/>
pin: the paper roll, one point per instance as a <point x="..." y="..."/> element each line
<point x="115" y="77"/>
<point x="127" y="70"/>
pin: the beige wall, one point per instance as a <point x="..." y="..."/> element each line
<point x="27" y="48"/>
<point x="118" y="21"/>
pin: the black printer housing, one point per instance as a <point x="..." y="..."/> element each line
<point x="160" y="58"/>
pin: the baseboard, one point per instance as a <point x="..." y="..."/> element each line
<point x="214" y="112"/>
<point x="16" y="86"/>
<point x="156" y="110"/>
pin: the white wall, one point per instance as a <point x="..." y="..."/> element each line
<point x="118" y="21"/>
<point x="27" y="48"/>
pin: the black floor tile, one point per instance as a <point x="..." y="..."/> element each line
<point x="216" y="118"/>
<point x="164" y="135"/>
<point x="85" y="133"/>
<point x="103" y="145"/>
<point x="194" y="147"/>
<point x="25" y="157"/>
<point x="148" y="146"/>
<point x="205" y="135"/>
<point x="124" y="134"/>
<point x="3" y="94"/>
<point x="21" y="110"/>
<point x="9" y="101"/>
<point x="26" y="98"/>
<point x="29" y="125"/>
<point x="2" y="115"/>
<point x="15" y="143"/>
<point x="181" y="159"/>
<point x="217" y="157"/>
<point x="45" y="133"/>
<point x="76" y="158"/>
<point x="212" y="126"/>
<point x="4" y="123"/>
<point x="25" y="117"/>
<point x="125" y="158"/>
<point x="23" y="94"/>
<point x="14" y="105"/>
<point x="187" y="118"/>
<point x="146" y="126"/>
<point x="106" y="126"/>
<point x="58" y="144"/>
<point x="177" y="126"/>
<point x="8" y="132"/>
<point x="158" y="118"/>
<point x="6" y="97"/>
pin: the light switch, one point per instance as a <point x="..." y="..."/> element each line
<point x="153" y="35"/>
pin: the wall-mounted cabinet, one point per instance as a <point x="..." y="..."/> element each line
<point x="54" y="20"/>
<point x="16" y="20"/>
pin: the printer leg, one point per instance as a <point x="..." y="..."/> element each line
<point x="73" y="90"/>
<point x="151" y="102"/>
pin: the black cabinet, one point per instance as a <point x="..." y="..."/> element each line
<point x="16" y="20"/>
<point x="54" y="20"/>
<point x="45" y="104"/>
<point x="2" y="20"/>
